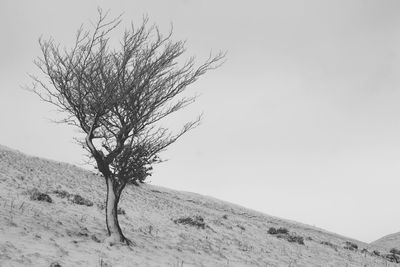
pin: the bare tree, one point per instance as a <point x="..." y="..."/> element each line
<point x="117" y="97"/>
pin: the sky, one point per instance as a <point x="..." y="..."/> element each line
<point x="301" y="122"/>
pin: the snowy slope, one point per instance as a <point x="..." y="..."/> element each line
<point x="38" y="233"/>
<point x="388" y="242"/>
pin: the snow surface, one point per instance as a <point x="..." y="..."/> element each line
<point x="36" y="233"/>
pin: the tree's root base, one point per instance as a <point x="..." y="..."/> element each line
<point x="117" y="240"/>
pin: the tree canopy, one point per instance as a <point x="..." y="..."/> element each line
<point x="118" y="96"/>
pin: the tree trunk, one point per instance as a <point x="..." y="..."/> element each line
<point x="113" y="228"/>
<point x="113" y="193"/>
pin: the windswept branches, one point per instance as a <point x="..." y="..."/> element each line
<point x="78" y="79"/>
<point x="118" y="96"/>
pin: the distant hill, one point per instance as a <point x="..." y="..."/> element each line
<point x="388" y="242"/>
<point x="168" y="227"/>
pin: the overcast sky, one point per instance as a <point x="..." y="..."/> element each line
<point x="302" y="121"/>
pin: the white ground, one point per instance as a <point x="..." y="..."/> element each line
<point x="34" y="233"/>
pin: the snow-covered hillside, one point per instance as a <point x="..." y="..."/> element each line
<point x="169" y="228"/>
<point x="388" y="242"/>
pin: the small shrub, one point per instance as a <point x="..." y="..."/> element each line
<point x="55" y="264"/>
<point x="272" y="231"/>
<point x="395" y="251"/>
<point x="292" y="238"/>
<point x="283" y="233"/>
<point x="282" y="230"/>
<point x="196" y="221"/>
<point x="38" y="196"/>
<point x="364" y="250"/>
<point x="77" y="199"/>
<point x="295" y="239"/>
<point x="225" y="217"/>
<point x="350" y="246"/>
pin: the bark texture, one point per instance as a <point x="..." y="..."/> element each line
<point x="113" y="228"/>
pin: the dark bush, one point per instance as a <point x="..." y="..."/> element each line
<point x="77" y="199"/>
<point x="36" y="195"/>
<point x="296" y="239"/>
<point x="395" y="251"/>
<point x="196" y="221"/>
<point x="350" y="246"/>
<point x="272" y="231"/>
<point x="283" y="233"/>
<point x="282" y="230"/>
